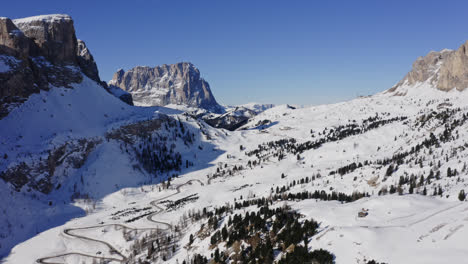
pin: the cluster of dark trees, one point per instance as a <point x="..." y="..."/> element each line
<point x="265" y="232"/>
<point x="328" y="135"/>
<point x="374" y="262"/>
<point x="445" y="117"/>
<point x="280" y="195"/>
<point x="157" y="156"/>
<point x="278" y="148"/>
<point x="272" y="145"/>
<point x="302" y="255"/>
<point x="196" y="259"/>
<point x="157" y="245"/>
<point x="172" y="205"/>
<point x="133" y="219"/>
<point x="222" y="171"/>
<point x="321" y="195"/>
<point x="451" y="122"/>
<point x="347" y="168"/>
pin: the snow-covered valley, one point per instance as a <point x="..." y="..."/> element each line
<point x="414" y="212"/>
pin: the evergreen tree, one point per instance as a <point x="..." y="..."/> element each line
<point x="224" y="233"/>
<point x="150" y="250"/>
<point x="389" y="170"/>
<point x="461" y="195"/>
<point x="216" y="255"/>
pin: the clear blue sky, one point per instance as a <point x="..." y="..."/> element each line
<point x="298" y="52"/>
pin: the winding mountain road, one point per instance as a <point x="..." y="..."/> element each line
<point x="112" y="250"/>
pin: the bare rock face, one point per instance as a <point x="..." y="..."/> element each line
<point x="444" y="70"/>
<point x="86" y="61"/>
<point x="39" y="52"/>
<point x="54" y="36"/>
<point x="13" y="42"/>
<point x="454" y="72"/>
<point x="178" y="84"/>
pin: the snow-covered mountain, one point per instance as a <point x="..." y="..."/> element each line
<point x="66" y="139"/>
<point x="38" y="53"/>
<point x="176" y="84"/>
<point x="444" y="70"/>
<point x="233" y="117"/>
<point x="257" y="107"/>
<point x="379" y="178"/>
<point x="180" y="86"/>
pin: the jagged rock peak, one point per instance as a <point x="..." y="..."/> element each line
<point x="444" y="70"/>
<point x="177" y="84"/>
<point x="37" y="53"/>
<point x="86" y="61"/>
<point x="53" y="34"/>
<point x="13" y="42"/>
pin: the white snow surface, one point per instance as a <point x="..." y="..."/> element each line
<point x="43" y="18"/>
<point x="399" y="229"/>
<point x="6" y="62"/>
<point x="4" y="67"/>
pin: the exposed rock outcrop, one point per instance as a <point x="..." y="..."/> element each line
<point x="42" y="175"/>
<point x="53" y="36"/>
<point x="86" y="61"/>
<point x="444" y="70"/>
<point x="178" y="84"/>
<point x="37" y="53"/>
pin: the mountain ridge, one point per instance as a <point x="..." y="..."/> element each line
<point x="178" y="84"/>
<point x="444" y="70"/>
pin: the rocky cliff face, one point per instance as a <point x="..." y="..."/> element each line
<point x="178" y="84"/>
<point x="37" y="53"/>
<point x="444" y="70"/>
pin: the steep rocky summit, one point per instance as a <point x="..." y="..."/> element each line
<point x="444" y="70"/>
<point x="176" y="84"/>
<point x="38" y="53"/>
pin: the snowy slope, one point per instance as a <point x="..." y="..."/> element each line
<point x="60" y="141"/>
<point x="414" y="228"/>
